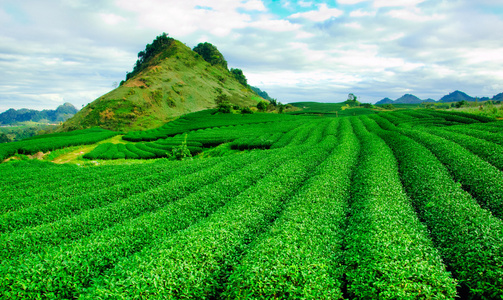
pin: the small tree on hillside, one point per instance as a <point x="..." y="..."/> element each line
<point x="238" y="74"/>
<point x="262" y="105"/>
<point x="210" y="54"/>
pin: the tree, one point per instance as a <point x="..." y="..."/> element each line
<point x="352" y="100"/>
<point x="246" y="110"/>
<point x="238" y="74"/>
<point x="262" y="105"/>
<point x="160" y="43"/>
<point x="281" y="108"/>
<point x="210" y="54"/>
<point x="181" y="152"/>
<point x="221" y="98"/>
<point x="224" y="108"/>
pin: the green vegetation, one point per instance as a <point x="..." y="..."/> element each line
<point x="169" y="80"/>
<point x="49" y="142"/>
<point x="377" y="205"/>
<point x="24" y="130"/>
<point x="145" y="57"/>
<point x="211" y="54"/>
<point x="343" y="109"/>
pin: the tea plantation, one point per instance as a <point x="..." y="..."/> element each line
<point x="396" y="205"/>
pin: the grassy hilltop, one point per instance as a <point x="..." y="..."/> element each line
<point x="171" y="83"/>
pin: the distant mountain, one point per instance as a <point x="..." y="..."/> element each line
<point x="498" y="97"/>
<point x="60" y="114"/>
<point x="261" y="93"/>
<point x="385" y="101"/>
<point x="456" y="96"/>
<point x="405" y="99"/>
<point x="408" y="99"/>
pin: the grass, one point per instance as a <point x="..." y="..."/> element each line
<point x="490" y="110"/>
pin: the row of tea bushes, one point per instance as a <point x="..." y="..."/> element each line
<point x="469" y="238"/>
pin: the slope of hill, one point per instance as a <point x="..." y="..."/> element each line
<point x="174" y="82"/>
<point x="498" y="97"/>
<point x="60" y="114"/>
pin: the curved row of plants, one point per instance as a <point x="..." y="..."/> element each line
<point x="469" y="238"/>
<point x="51" y="142"/>
<point x="361" y="207"/>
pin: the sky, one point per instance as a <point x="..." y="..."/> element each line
<point x="74" y="51"/>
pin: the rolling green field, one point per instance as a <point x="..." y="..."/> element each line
<point x="393" y="205"/>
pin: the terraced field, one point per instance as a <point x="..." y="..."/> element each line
<point x="399" y="205"/>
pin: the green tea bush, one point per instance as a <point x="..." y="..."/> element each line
<point x="469" y="238"/>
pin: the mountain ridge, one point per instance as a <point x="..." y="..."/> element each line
<point x="60" y="114"/>
<point x="455" y="96"/>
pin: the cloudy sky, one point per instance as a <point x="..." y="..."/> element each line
<point x="57" y="51"/>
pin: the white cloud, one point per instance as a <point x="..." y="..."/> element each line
<point x="254" y="5"/>
<point x="353" y="25"/>
<point x="414" y="15"/>
<point x="396" y="3"/>
<point x="305" y="3"/>
<point x="275" y="25"/>
<point x="361" y="13"/>
<point x="323" y="13"/>
<point x="74" y="51"/>
<point x="112" y="19"/>
<point x="351" y="1"/>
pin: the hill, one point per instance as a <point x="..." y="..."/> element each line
<point x="60" y="114"/>
<point x="385" y="101"/>
<point x="498" y="97"/>
<point x="456" y="96"/>
<point x="167" y="82"/>
<point x="405" y="99"/>
<point x="408" y="99"/>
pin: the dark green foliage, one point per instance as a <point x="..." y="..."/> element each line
<point x="224" y="108"/>
<point x="238" y="74"/>
<point x="262" y="105"/>
<point x="221" y="99"/>
<point x="181" y="152"/>
<point x="210" y="54"/>
<point x="246" y="110"/>
<point x="160" y="44"/>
